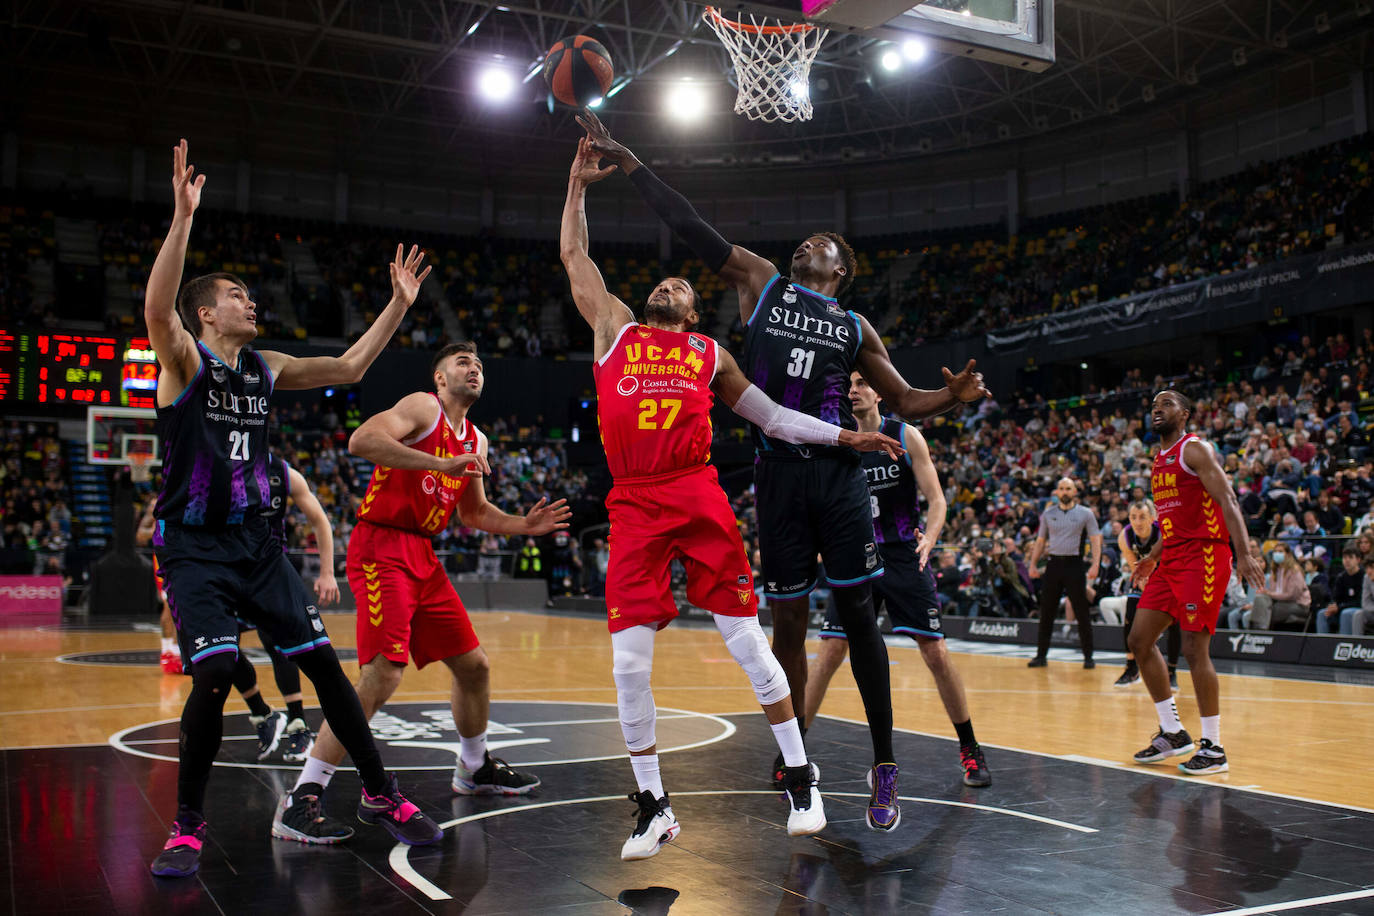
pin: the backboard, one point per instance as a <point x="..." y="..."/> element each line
<point x="113" y="434"/>
<point x="1014" y="33"/>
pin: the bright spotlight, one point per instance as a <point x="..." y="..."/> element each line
<point x="913" y="50"/>
<point x="496" y="84"/>
<point x="890" y="60"/>
<point x="596" y="102"/>
<point x="800" y="89"/>
<point x="686" y="101"/>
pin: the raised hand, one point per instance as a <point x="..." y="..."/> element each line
<point x="872" y="442"/>
<point x="545" y="516"/>
<point x="585" y="169"/>
<point x="599" y="138"/>
<point x="967" y="385"/>
<point x="405" y="283"/>
<point x="186" y="184"/>
<point x="468" y="464"/>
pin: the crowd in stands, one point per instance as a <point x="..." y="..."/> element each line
<point x="36" y="524"/>
<point x="512" y="298"/>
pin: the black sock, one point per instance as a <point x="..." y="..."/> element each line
<point x="257" y="706"/>
<point x="202" y="727"/>
<point x="344" y="713"/>
<point x="868" y="662"/>
<point x="964" y="730"/>
<point x="295" y="709"/>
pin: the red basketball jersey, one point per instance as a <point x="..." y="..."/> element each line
<point x="416" y="500"/>
<point x="1187" y="511"/>
<point x="654" y="399"/>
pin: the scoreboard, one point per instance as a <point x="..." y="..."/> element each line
<point x="40" y="367"/>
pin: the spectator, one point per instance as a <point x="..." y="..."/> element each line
<point x="1346" y="592"/>
<point x="1284" y="598"/>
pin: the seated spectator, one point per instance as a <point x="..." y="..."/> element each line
<point x="1338" y="616"/>
<point x="1284" y="598"/>
<point x="1361" y="623"/>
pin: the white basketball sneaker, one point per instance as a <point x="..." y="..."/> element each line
<point x="808" y="812"/>
<point x="655" y="828"/>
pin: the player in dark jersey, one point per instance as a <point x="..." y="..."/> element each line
<point x="289" y="729"/>
<point x="1185" y="576"/>
<point x="800" y="347"/>
<point x="655" y="382"/>
<point x="907" y="587"/>
<point x="1136" y="540"/>
<point x="215" y="550"/>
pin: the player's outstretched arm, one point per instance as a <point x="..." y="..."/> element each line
<point x="928" y="481"/>
<point x="176" y="348"/>
<point x="739" y="267"/>
<point x="914" y="403"/>
<point x="476" y="512"/>
<point x="382" y="439"/>
<point x="326" y="586"/>
<point x="783" y="423"/>
<point x="1202" y="458"/>
<point x="318" y="371"/>
<point x="605" y="313"/>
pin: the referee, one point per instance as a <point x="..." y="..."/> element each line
<point x="1064" y="527"/>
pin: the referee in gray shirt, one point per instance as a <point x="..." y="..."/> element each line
<point x="1063" y="527"/>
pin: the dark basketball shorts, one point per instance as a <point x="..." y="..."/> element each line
<point x="216" y="578"/>
<point x="905" y="590"/>
<point x="810" y="507"/>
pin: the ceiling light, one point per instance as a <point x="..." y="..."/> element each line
<point x="496" y="84"/>
<point x="685" y="101"/>
<point x="913" y="50"/>
<point x="890" y="60"/>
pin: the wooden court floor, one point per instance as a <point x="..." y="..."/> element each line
<point x="90" y="748"/>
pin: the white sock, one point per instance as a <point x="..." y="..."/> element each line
<point x="789" y="738"/>
<point x="317" y="771"/>
<point x="473" y="752"/>
<point x="1167" y="710"/>
<point x="169" y="644"/>
<point x="1211" y="729"/>
<point x="647" y="775"/>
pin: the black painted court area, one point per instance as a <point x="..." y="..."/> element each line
<point x="1050" y="836"/>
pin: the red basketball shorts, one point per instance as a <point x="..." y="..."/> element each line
<point x="685" y="518"/>
<point x="406" y="604"/>
<point x="1190" y="583"/>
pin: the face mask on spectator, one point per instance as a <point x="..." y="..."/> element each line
<point x="1277" y="556"/>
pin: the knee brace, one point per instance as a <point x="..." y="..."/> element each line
<point x="749" y="648"/>
<point x="633" y="696"/>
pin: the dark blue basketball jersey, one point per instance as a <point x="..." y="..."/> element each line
<point x="892" y="490"/>
<point x="1142" y="547"/>
<point x="214" y="444"/>
<point x="279" y="488"/>
<point x="799" y="349"/>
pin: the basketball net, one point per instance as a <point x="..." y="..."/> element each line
<point x="772" y="64"/>
<point x="140" y="468"/>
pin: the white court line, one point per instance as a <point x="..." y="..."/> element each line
<point x="400" y="861"/>
<point x="118" y="742"/>
<point x="1297" y="904"/>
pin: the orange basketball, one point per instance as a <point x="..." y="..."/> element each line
<point x="578" y="70"/>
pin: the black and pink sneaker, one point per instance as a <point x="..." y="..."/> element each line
<point x="402" y="819"/>
<point x="180" y="856"/>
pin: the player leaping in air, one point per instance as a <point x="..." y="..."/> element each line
<point x="654" y="384"/>
<point x="800" y="347"/>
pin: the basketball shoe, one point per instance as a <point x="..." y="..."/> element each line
<point x="270" y="728"/>
<point x="1130" y="676"/>
<point x="1210" y="758"/>
<point x="655" y="827"/>
<point x="493" y="777"/>
<point x="779" y="771"/>
<point x="1165" y="745"/>
<point x="402" y="819"/>
<point x="975" y="767"/>
<point x="298" y="742"/>
<point x="300" y="816"/>
<point x="180" y="856"/>
<point x="883" y="812"/>
<point x="808" y="812"/>
<point x="170" y="662"/>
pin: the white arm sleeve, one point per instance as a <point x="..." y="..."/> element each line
<point x="784" y="423"/>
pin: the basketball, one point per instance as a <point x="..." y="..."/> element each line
<point x="578" y="70"/>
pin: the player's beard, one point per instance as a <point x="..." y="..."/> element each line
<point x="661" y="313"/>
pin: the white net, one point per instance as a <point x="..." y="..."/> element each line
<point x="772" y="64"/>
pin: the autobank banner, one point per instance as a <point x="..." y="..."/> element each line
<point x="1330" y="279"/>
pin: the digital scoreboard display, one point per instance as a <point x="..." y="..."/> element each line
<point x="40" y="367"/>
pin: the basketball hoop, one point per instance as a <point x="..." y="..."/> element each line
<point x="772" y="64"/>
<point x="140" y="467"/>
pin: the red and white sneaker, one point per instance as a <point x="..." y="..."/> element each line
<point x="171" y="663"/>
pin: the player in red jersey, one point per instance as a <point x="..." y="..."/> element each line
<point x="654" y="385"/>
<point x="1187" y="571"/>
<point x="430" y="460"/>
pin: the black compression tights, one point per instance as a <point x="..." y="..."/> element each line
<point x="344" y="713"/>
<point x="868" y="661"/>
<point x="202" y="727"/>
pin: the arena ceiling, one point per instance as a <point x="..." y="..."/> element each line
<point x="391" y="83"/>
